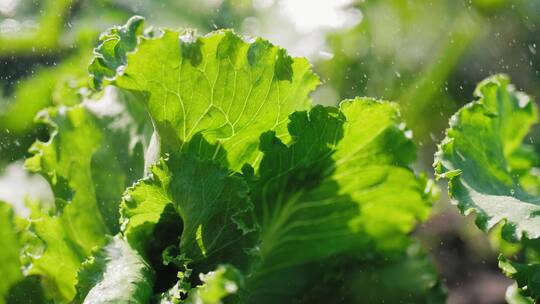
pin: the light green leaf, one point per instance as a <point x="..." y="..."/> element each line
<point x="143" y="204"/>
<point x="9" y="255"/>
<point x="478" y="155"/>
<point x="115" y="274"/>
<point x="333" y="190"/>
<point x="111" y="53"/>
<point x="95" y="150"/>
<point x="219" y="85"/>
<point x="58" y="249"/>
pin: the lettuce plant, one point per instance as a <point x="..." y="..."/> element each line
<point x="195" y="169"/>
<point x="492" y="172"/>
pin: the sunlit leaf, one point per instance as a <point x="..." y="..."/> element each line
<point x="220" y="86"/>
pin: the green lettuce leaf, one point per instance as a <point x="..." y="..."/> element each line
<point x="14" y="286"/>
<point x="314" y="185"/>
<point x="220" y="86"/>
<point x="214" y="207"/>
<point x="95" y="150"/>
<point x="111" y="53"/>
<point x="115" y="274"/>
<point x="477" y="154"/>
<point x="491" y="171"/>
<point x="332" y="190"/>
<point x="9" y="255"/>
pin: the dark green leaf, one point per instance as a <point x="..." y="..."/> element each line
<point x="211" y="203"/>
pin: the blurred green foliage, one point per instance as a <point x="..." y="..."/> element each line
<point x="45" y="38"/>
<point x="45" y="48"/>
<point x="428" y="55"/>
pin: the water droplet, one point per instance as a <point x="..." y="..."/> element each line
<point x="326" y="55"/>
<point x="532" y="48"/>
